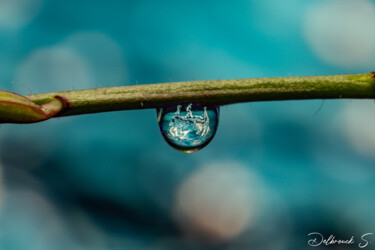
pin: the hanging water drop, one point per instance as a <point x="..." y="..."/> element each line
<point x="188" y="127"/>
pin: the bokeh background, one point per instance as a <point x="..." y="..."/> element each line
<point x="275" y="171"/>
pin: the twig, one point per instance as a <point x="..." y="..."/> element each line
<point x="216" y="92"/>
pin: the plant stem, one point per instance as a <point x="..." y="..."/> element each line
<point x="216" y="92"/>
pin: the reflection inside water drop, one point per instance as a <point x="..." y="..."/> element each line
<point x="188" y="127"/>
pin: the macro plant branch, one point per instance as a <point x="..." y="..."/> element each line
<point x="34" y="108"/>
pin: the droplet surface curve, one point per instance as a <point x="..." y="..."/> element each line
<point x="188" y="127"/>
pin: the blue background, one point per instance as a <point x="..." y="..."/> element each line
<point x="274" y="172"/>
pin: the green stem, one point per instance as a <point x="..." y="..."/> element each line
<point x="216" y="92"/>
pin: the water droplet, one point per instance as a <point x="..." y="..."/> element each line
<point x="188" y="127"/>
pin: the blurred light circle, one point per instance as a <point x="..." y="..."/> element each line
<point x="53" y="69"/>
<point x="29" y="221"/>
<point x="348" y="150"/>
<point x="104" y="55"/>
<point x="358" y="121"/>
<point x="341" y="32"/>
<point x="275" y="19"/>
<point x="17" y="13"/>
<point x="217" y="202"/>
